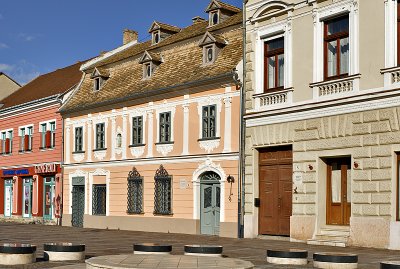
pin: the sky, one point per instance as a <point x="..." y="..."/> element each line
<point x="40" y="36"/>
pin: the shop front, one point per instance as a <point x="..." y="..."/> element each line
<point x="31" y="193"/>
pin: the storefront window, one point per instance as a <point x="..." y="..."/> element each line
<point x="27" y="198"/>
<point x="8" y="197"/>
<point x="49" y="196"/>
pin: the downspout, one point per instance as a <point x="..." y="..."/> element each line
<point x="59" y="222"/>
<point x="242" y="136"/>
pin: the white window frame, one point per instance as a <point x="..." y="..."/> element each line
<point x="142" y="114"/>
<point x="25" y="128"/>
<point x="7" y="133"/>
<point x="217" y="101"/>
<point x="153" y="37"/>
<point x="320" y="16"/>
<point x="391" y="33"/>
<point x="83" y="136"/>
<point x="48" y="128"/>
<point x="163" y="110"/>
<point x="210" y="17"/>
<point x="267" y="33"/>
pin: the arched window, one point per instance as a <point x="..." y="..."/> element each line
<point x="135" y="192"/>
<point x="162" y="192"/>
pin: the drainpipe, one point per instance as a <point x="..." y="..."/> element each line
<point x="242" y="136"/>
<point x="59" y="222"/>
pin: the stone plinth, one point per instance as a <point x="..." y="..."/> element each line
<point x="64" y="252"/>
<point x="13" y="254"/>
<point x="203" y="250"/>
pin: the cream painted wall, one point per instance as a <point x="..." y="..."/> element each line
<point x="7" y="86"/>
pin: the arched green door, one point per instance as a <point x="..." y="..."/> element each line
<point x="210" y="202"/>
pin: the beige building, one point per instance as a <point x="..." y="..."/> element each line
<point x="322" y="121"/>
<point x="7" y="86"/>
<point x="152" y="131"/>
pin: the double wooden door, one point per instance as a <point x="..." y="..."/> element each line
<point x="275" y="189"/>
<point x="338" y="196"/>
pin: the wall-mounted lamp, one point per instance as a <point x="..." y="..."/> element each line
<point x="231" y="180"/>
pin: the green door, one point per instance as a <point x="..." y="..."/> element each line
<point x="210" y="197"/>
<point x="27" y="198"/>
<point x="8" y="197"/>
<point x="48" y="198"/>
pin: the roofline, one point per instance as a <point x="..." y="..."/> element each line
<point x="93" y="62"/>
<point x="143" y="94"/>
<point x="10" y="78"/>
<point x="49" y="99"/>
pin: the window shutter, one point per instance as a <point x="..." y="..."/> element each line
<point x="48" y="139"/>
<point x="26" y="142"/>
<point x="7" y="149"/>
<point x="1" y="147"/>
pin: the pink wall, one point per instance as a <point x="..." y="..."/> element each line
<point x="37" y="155"/>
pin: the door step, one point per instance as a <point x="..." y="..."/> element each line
<point x="331" y="236"/>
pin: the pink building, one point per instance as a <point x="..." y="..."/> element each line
<point x="31" y="147"/>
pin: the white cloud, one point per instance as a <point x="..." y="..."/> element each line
<point x="6" y="67"/>
<point x="27" y="37"/>
<point x="23" y="71"/>
<point x="3" y="46"/>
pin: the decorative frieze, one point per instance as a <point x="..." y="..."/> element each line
<point x="209" y="145"/>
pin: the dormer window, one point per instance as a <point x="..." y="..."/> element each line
<point x="160" y="31"/>
<point x="214" y="18"/>
<point x="150" y="62"/>
<point x="99" y="76"/>
<point x="211" y="45"/>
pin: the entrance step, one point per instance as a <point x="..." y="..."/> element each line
<point x="331" y="236"/>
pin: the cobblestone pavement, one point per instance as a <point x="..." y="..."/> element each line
<point x="109" y="242"/>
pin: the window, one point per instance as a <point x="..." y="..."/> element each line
<point x="162" y="192"/>
<point x="147" y="70"/>
<point x="43" y="129"/>
<point x="6" y="142"/>
<point x="209" y="121"/>
<point x="135" y="192"/>
<point x="398" y="32"/>
<point x="99" y="199"/>
<point x="165" y="127"/>
<point x="26" y="138"/>
<point x="119" y="140"/>
<point x="79" y="139"/>
<point x="137" y="130"/>
<point x="52" y="134"/>
<point x="156" y="37"/>
<point x="97" y="83"/>
<point x="209" y="54"/>
<point x="100" y="136"/>
<point x="274" y="61"/>
<point x="336" y="47"/>
<point x="214" y="18"/>
<point x="48" y="134"/>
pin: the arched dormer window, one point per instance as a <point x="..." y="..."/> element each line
<point x="218" y="11"/>
<point x="211" y="45"/>
<point x="150" y="61"/>
<point x="160" y="31"/>
<point x="99" y="76"/>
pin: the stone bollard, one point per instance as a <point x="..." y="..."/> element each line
<point x="150" y="248"/>
<point x="15" y="254"/>
<point x="203" y="250"/>
<point x="64" y="252"/>
<point x="333" y="260"/>
<point x="291" y="256"/>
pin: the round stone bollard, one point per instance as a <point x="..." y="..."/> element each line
<point x="17" y="254"/>
<point x="151" y="248"/>
<point x="333" y="260"/>
<point x="64" y="252"/>
<point x="203" y="250"/>
<point x="390" y="265"/>
<point x="291" y="256"/>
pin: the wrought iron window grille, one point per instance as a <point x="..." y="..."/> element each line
<point x="99" y="199"/>
<point x="162" y="192"/>
<point x="135" y="192"/>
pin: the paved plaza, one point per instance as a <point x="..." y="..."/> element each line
<point x="110" y="242"/>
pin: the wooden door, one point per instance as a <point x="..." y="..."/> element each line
<point x="338" y="202"/>
<point x="275" y="189"/>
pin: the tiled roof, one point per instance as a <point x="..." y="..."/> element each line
<point x="56" y="82"/>
<point x="167" y="27"/>
<point x="229" y="7"/>
<point x="182" y="63"/>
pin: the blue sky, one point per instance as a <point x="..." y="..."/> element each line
<point x="37" y="37"/>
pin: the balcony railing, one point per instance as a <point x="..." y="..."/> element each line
<point x="336" y="88"/>
<point x="391" y="75"/>
<point x="273" y="99"/>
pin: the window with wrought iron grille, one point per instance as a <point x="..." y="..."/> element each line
<point x="165" y="127"/>
<point x="100" y="136"/>
<point x="209" y="121"/>
<point x="162" y="192"/>
<point x="78" y="139"/>
<point x="135" y="192"/>
<point x="99" y="198"/>
<point x="137" y="130"/>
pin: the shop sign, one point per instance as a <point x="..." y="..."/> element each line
<point x="45" y="168"/>
<point x="16" y="172"/>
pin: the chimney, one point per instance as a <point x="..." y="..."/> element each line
<point x="197" y="19"/>
<point x="129" y="36"/>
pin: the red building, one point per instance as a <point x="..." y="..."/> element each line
<point x="31" y="147"/>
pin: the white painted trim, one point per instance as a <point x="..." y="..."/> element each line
<point x="24" y="127"/>
<point x="228" y="125"/>
<point x="124" y="132"/>
<point x="270" y="32"/>
<point x="89" y="135"/>
<point x="390" y="33"/>
<point x="148" y="161"/>
<point x="113" y="134"/>
<point x="150" y="115"/>
<point x="327" y="12"/>
<point x="28" y="109"/>
<point x="333" y="109"/>
<point x="47" y="122"/>
<point x="166" y="108"/>
<point x="100" y="172"/>
<point x="210" y="100"/>
<point x="207" y="166"/>
<point x="77" y="173"/>
<point x="185" y="150"/>
<point x="68" y="140"/>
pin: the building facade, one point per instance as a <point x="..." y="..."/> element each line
<point x="151" y="133"/>
<point x="7" y="85"/>
<point x="31" y="148"/>
<point x="322" y="121"/>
